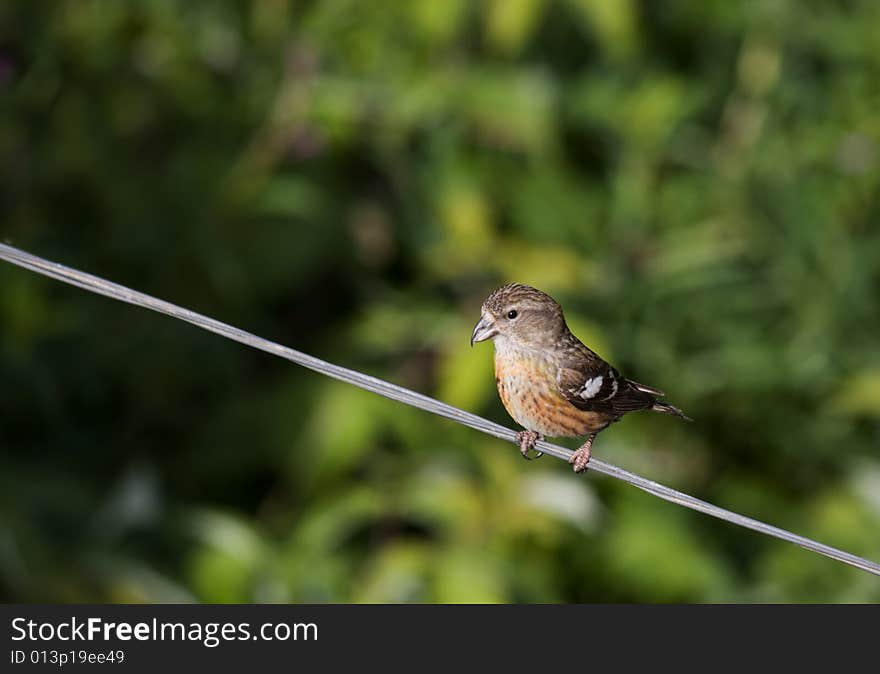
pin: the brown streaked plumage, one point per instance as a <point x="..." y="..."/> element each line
<point x="550" y="382"/>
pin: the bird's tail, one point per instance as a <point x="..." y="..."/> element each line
<point x="666" y="408"/>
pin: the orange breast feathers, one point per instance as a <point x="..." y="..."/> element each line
<point x="527" y="387"/>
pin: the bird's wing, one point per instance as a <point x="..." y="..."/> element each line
<point x="589" y="383"/>
<point x="647" y="389"/>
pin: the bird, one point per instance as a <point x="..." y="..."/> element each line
<point x="549" y="381"/>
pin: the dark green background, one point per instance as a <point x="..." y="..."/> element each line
<point x="696" y="182"/>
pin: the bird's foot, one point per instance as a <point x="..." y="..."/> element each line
<point x="526" y="441"/>
<point x="581" y="457"/>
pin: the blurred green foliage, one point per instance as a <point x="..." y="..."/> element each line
<point x="696" y="181"/>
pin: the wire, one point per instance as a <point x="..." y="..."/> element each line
<point x="400" y="394"/>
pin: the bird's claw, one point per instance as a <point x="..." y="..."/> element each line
<point x="579" y="461"/>
<point x="581" y="457"/>
<point x="526" y="441"/>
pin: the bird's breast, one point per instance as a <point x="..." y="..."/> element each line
<point x="527" y="386"/>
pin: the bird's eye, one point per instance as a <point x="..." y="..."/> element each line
<point x="512" y="314"/>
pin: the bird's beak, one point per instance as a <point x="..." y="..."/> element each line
<point x="485" y="329"/>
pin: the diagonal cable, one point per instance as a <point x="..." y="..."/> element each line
<point x="118" y="292"/>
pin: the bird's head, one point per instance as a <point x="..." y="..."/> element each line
<point x="520" y="315"/>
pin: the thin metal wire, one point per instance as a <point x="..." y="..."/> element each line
<point x="102" y="287"/>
